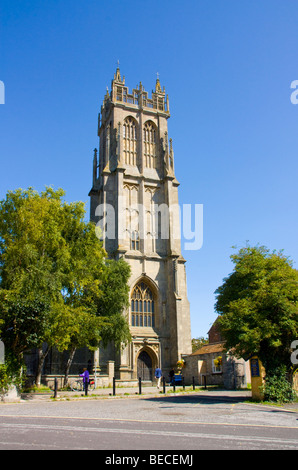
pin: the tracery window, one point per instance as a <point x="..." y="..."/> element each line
<point x="108" y="143"/>
<point x="130" y="141"/>
<point x="131" y="216"/>
<point x="142" y="306"/>
<point x="119" y="93"/>
<point x="150" y="144"/>
<point x="135" y="240"/>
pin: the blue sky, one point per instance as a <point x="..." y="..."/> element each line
<point x="227" y="67"/>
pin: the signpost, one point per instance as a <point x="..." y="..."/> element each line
<point x="254" y="367"/>
<point x="257" y="373"/>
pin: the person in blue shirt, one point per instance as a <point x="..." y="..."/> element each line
<point x="158" y="376"/>
<point x="85" y="376"/>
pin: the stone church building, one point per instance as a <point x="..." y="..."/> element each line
<point x="134" y="199"/>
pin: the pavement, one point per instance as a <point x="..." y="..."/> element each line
<point x="152" y="391"/>
<point x="107" y="392"/>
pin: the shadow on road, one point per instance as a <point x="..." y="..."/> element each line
<point x="213" y="400"/>
<point x="199" y="399"/>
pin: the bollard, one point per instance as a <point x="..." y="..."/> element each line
<point x="174" y="385"/>
<point x="55" y="387"/>
<point x="183" y="383"/>
<point x="164" y="385"/>
<point x="140" y="386"/>
<point x="205" y="382"/>
<point x="193" y="383"/>
<point x="86" y="387"/>
<point x="114" y="386"/>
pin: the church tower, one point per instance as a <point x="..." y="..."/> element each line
<point x="135" y="198"/>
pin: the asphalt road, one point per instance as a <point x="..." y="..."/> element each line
<point x="181" y="423"/>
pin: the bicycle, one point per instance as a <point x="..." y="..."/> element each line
<point x="78" y="385"/>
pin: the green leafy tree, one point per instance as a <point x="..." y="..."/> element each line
<point x="53" y="276"/>
<point x="197" y="343"/>
<point x="74" y="328"/>
<point x="94" y="300"/>
<point x="115" y="295"/>
<point x="93" y="318"/>
<point x="258" y="307"/>
<point x="33" y="260"/>
<point x="24" y="323"/>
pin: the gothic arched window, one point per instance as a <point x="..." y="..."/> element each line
<point x="150" y="145"/>
<point x="130" y="141"/>
<point x="135" y="240"/>
<point x="142" y="306"/>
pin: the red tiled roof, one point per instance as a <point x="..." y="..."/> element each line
<point x="209" y="348"/>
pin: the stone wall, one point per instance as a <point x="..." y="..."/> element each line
<point x="234" y="372"/>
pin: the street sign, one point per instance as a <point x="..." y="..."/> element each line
<point x="254" y="367"/>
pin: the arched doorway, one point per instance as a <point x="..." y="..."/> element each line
<point x="144" y="366"/>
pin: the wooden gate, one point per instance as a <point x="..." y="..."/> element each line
<point x="144" y="366"/>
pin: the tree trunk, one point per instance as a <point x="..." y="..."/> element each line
<point x="41" y="358"/>
<point x="68" y="364"/>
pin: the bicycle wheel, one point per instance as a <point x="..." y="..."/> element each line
<point x="77" y="386"/>
<point x="92" y="384"/>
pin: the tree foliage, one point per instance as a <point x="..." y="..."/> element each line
<point x="197" y="343"/>
<point x="25" y="322"/>
<point x="115" y="279"/>
<point x="258" y="306"/>
<point x="56" y="284"/>
<point x="278" y="387"/>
